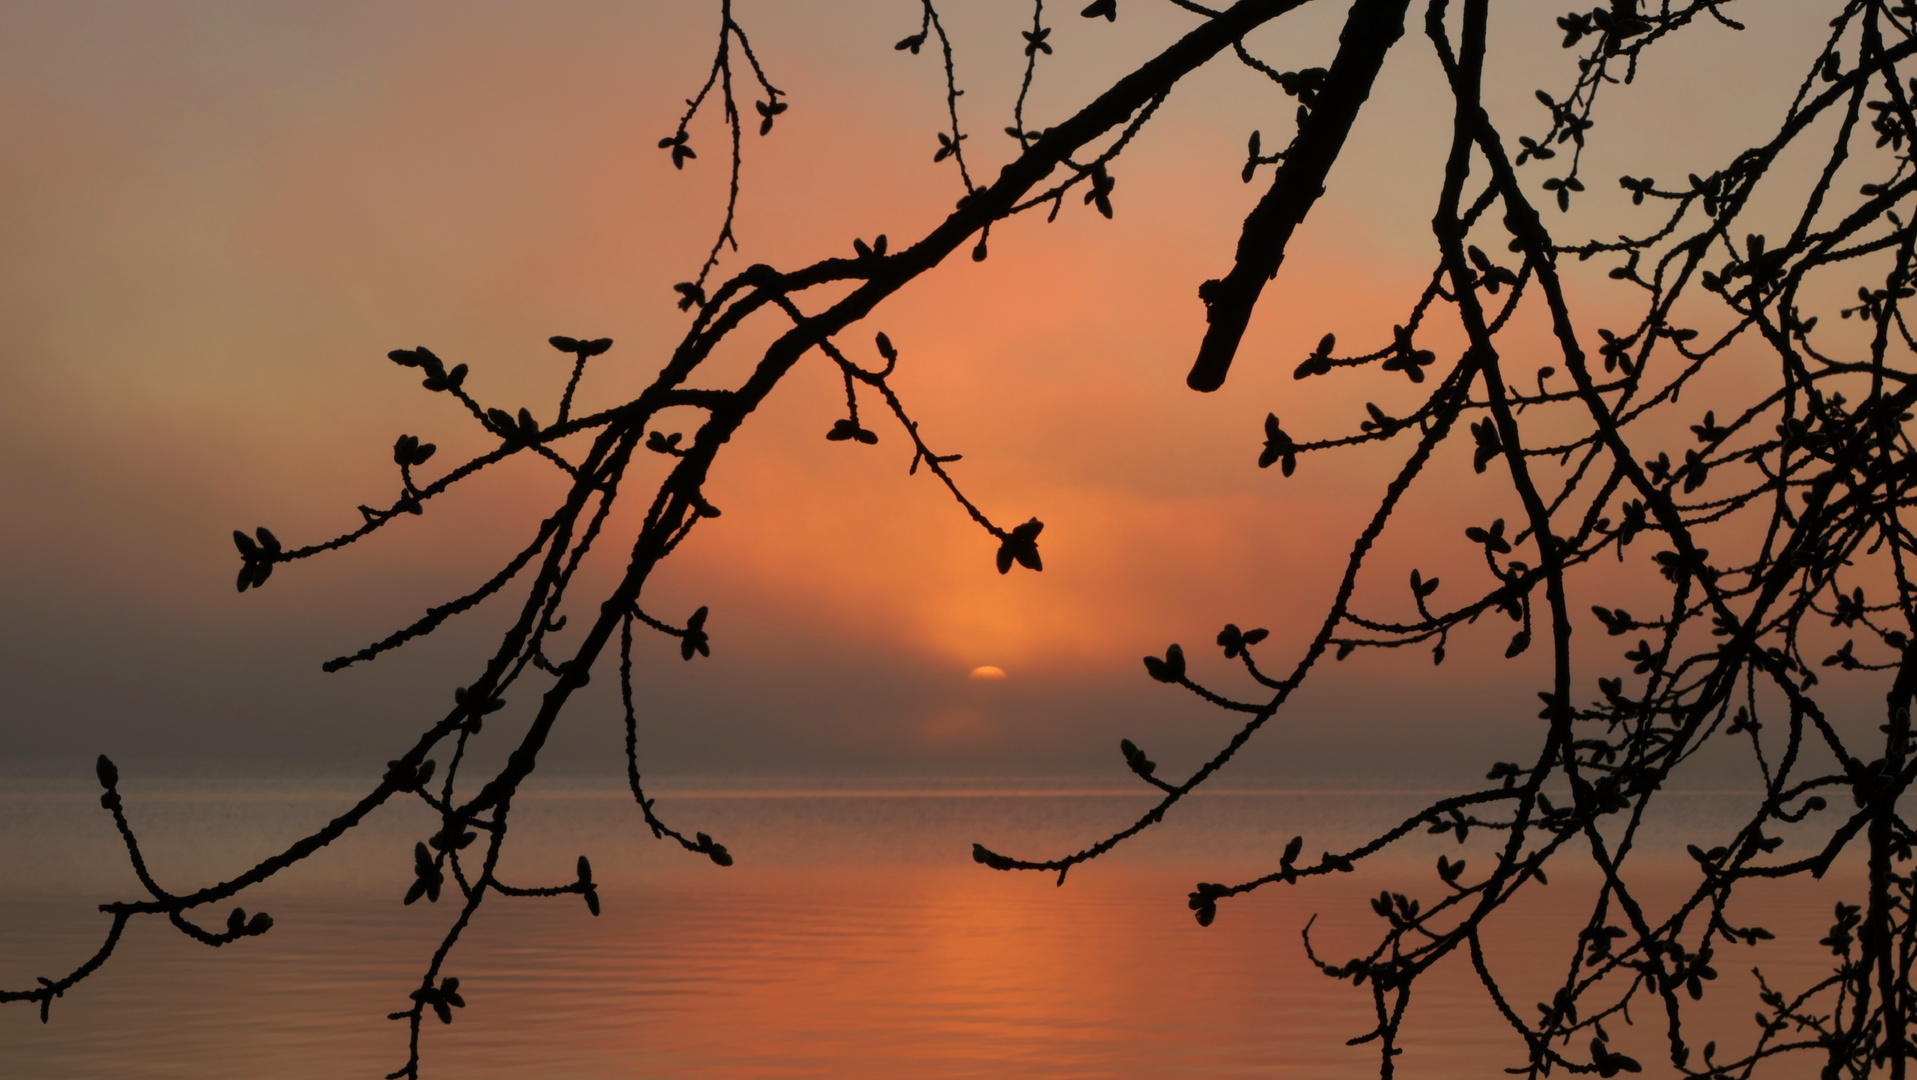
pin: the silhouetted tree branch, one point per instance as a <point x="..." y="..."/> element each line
<point x="477" y="814"/>
<point x="1798" y="486"/>
<point x="1580" y="471"/>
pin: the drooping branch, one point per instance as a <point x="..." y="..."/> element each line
<point x="1372" y="27"/>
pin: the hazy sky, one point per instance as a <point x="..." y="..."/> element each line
<point x="216" y="218"/>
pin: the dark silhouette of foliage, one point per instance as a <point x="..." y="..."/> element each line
<point x="1796" y="479"/>
<point x="1804" y="479"/>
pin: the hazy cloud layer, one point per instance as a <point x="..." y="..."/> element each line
<point x="209" y="242"/>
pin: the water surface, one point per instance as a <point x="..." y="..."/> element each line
<point x="853" y="938"/>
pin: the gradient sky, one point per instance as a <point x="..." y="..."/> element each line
<point x="216" y="218"/>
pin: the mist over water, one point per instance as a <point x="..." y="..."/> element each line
<point x="853" y="938"/>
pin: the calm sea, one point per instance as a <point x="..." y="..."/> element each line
<point x="854" y="938"/>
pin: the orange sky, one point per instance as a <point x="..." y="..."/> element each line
<point x="209" y="242"/>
